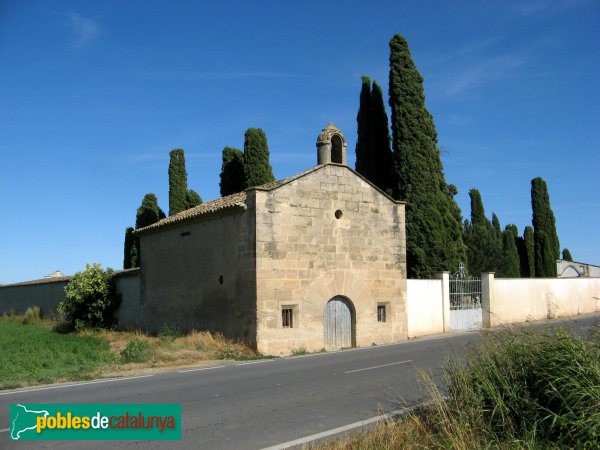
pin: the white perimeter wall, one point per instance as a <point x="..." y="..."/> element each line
<point x="425" y="307"/>
<point x="526" y="299"/>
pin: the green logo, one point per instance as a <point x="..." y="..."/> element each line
<point x="95" y="422"/>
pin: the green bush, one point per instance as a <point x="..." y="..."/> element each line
<point x="91" y="299"/>
<point x="136" y="350"/>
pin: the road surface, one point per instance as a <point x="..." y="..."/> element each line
<point x="265" y="403"/>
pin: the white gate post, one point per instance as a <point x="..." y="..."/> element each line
<point x="487" y="298"/>
<point x="445" y="277"/>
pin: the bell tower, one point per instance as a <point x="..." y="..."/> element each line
<point x="331" y="146"/>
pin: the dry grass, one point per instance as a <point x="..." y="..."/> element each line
<point x="195" y="348"/>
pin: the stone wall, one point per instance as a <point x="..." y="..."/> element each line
<point x="325" y="234"/>
<point x="200" y="275"/>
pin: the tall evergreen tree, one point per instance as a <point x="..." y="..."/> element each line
<point x="364" y="121"/>
<point x="566" y="255"/>
<point x="529" y="244"/>
<point x="483" y="249"/>
<point x="381" y="160"/>
<point x="547" y="247"/>
<point x="257" y="168"/>
<point x="373" y="153"/>
<point x="177" y="182"/>
<point x="192" y="198"/>
<point x="510" y="266"/>
<point x="497" y="228"/>
<point x="148" y="213"/>
<point x="434" y="241"/>
<point x="232" y="172"/>
<point x="129" y="245"/>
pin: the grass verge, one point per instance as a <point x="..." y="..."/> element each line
<point x="37" y="351"/>
<point x="33" y="354"/>
<point x="516" y="390"/>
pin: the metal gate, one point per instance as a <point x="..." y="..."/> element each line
<point x="337" y="321"/>
<point x="465" y="301"/>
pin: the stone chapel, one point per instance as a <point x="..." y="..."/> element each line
<point x="314" y="261"/>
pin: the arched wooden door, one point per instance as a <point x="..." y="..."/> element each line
<point x="338" y="323"/>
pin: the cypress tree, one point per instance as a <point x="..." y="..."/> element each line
<point x="483" y="249"/>
<point x="192" y="198"/>
<point x="547" y="247"/>
<point x="148" y="213"/>
<point x="232" y="172"/>
<point x="129" y="245"/>
<point x="477" y="211"/>
<point x="135" y="257"/>
<point x="510" y="266"/>
<point x="497" y="228"/>
<point x="363" y="121"/>
<point x="566" y="255"/>
<point x="434" y="240"/>
<point x="177" y="182"/>
<point x="257" y="168"/>
<point x="381" y="159"/>
<point x="529" y="260"/>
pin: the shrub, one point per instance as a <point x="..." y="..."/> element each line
<point x="136" y="350"/>
<point x="32" y="314"/>
<point x="91" y="299"/>
<point x="168" y="333"/>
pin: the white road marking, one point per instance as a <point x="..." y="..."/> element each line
<point x="200" y="368"/>
<point x="85" y="383"/>
<point x="342" y="429"/>
<point x="5" y="430"/>
<point x="377" y="367"/>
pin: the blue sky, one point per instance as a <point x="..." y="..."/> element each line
<point x="94" y="95"/>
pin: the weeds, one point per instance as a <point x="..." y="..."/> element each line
<point x="32" y="314"/>
<point x="299" y="351"/>
<point x="137" y="351"/>
<point x="237" y="355"/>
<point x="168" y="333"/>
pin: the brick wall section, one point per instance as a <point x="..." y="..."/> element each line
<point x="305" y="256"/>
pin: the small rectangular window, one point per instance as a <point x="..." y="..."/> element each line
<point x="380" y="313"/>
<point x="287" y="318"/>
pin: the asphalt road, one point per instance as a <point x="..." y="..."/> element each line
<point x="260" y="404"/>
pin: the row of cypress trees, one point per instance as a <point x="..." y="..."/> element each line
<point x="411" y="170"/>
<point x="180" y="199"/>
<point x="505" y="252"/>
<point x="239" y="171"/>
